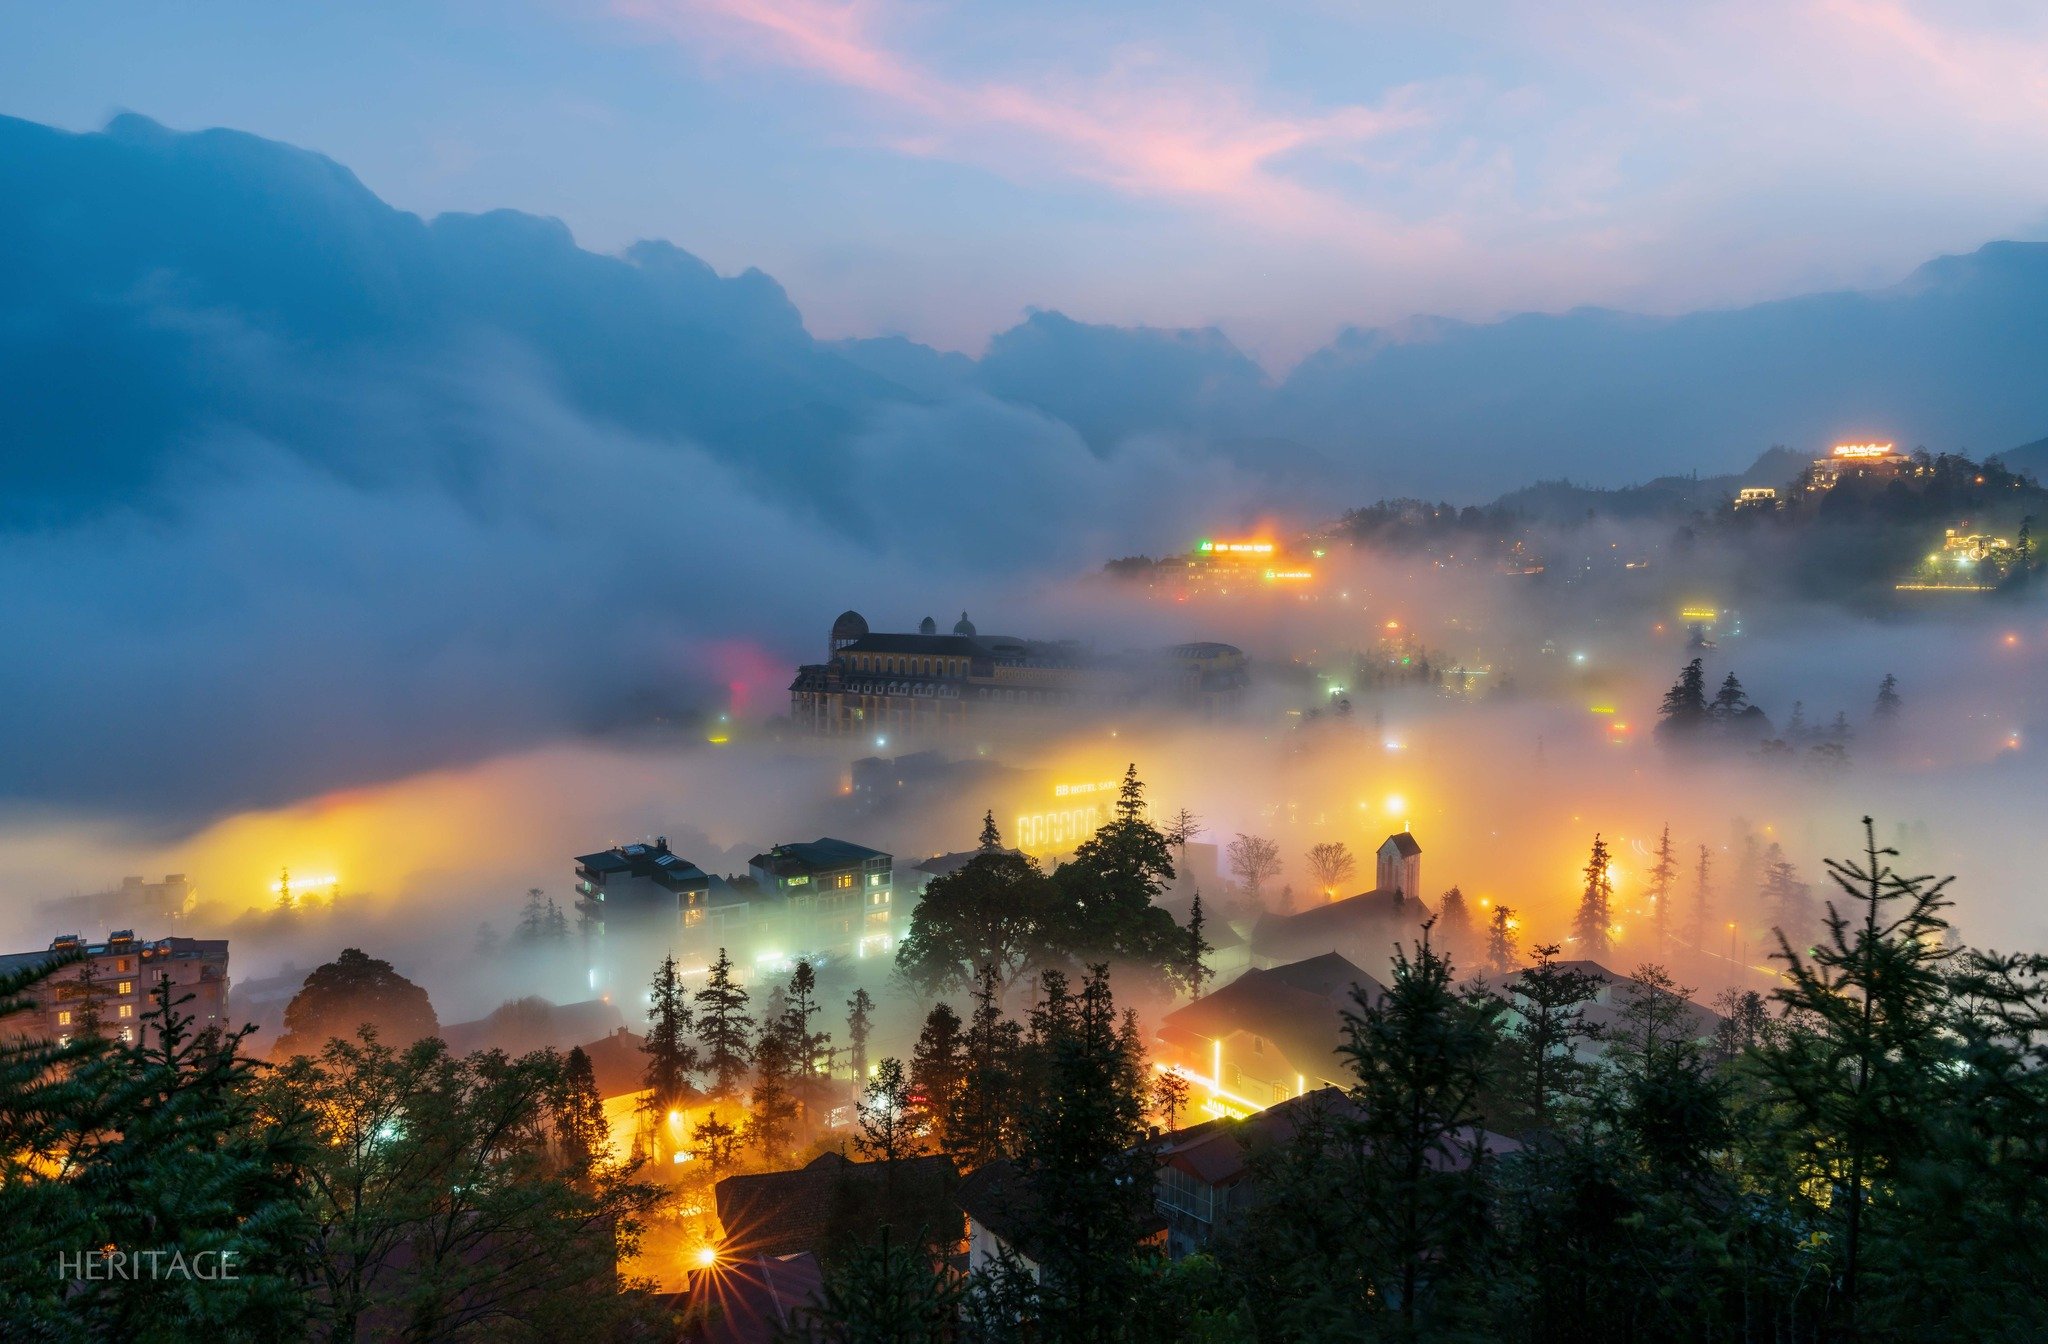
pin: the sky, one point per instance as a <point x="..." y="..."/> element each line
<point x="1281" y="169"/>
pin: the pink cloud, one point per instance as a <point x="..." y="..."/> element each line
<point x="1140" y="129"/>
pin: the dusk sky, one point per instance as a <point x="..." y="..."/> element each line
<point x="1281" y="169"/>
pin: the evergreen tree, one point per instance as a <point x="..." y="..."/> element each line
<point x="1088" y="1177"/>
<point x="1661" y="875"/>
<point x="1454" y="922"/>
<point x="890" y="1292"/>
<point x="1194" y="972"/>
<point x="1730" y="701"/>
<point x="772" y="1109"/>
<point x="938" y="1064"/>
<point x="1702" y="898"/>
<point x="1543" y="1067"/>
<point x="980" y="1125"/>
<point x="807" y="1046"/>
<point x="1502" y="956"/>
<point x="671" y="1053"/>
<point x="991" y="839"/>
<point x="1684" y="711"/>
<point x="1422" y="1053"/>
<point x="859" y="1022"/>
<point x="716" y="1144"/>
<point x="1888" y="701"/>
<point x="1796" y="728"/>
<point x="1787" y="902"/>
<point x="723" y="1029"/>
<point x="1105" y="907"/>
<point x="887" y="1121"/>
<point x="1595" y="914"/>
<point x="580" y="1127"/>
<point x="1858" y="1077"/>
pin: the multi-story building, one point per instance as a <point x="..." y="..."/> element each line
<point x="137" y="902"/>
<point x="822" y="899"/>
<point x="928" y="683"/>
<point x="1846" y="460"/>
<point x="116" y="981"/>
<point x="827" y="898"/>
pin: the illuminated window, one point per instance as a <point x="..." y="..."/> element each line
<point x="843" y="880"/>
<point x="127" y="1033"/>
<point x="127" y="1010"/>
<point x="127" y="987"/>
<point x="64" y="1018"/>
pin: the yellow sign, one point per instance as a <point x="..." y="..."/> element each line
<point x="1707" y="614"/>
<point x="1863" y="450"/>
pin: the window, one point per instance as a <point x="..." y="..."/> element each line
<point x="127" y="1010"/>
<point x="64" y="1018"/>
<point x="127" y="1033"/>
<point x="843" y="880"/>
<point x="127" y="987"/>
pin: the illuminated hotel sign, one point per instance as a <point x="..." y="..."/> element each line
<point x="1040" y="832"/>
<point x="1289" y="575"/>
<point x="1234" y="548"/>
<point x="1072" y="790"/>
<point x="1859" y="451"/>
<point x="1707" y="614"/>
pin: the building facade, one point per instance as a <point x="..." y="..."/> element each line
<point x="932" y="684"/>
<point x="116" y="982"/>
<point x="822" y="900"/>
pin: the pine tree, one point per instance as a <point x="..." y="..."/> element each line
<point x="1195" y="972"/>
<point x="1684" y="711"/>
<point x="888" y="1125"/>
<point x="1081" y="1154"/>
<point x="1730" y="701"/>
<point x="1550" y="1009"/>
<point x="724" y="1029"/>
<point x="772" y="1106"/>
<point x="991" y="838"/>
<point x="1796" y="729"/>
<point x="938" y="1064"/>
<point x="1453" y="928"/>
<point x="671" y="1053"/>
<point x="580" y="1127"/>
<point x="859" y="1022"/>
<point x="1857" y="1077"/>
<point x="1888" y="702"/>
<point x="1423" y="1054"/>
<point x="1787" y="901"/>
<point x="1661" y="874"/>
<point x="807" y="1046"/>
<point x="716" y="1144"/>
<point x="1501" y="954"/>
<point x="1702" y="898"/>
<point x="981" y="1123"/>
<point x="1595" y="913"/>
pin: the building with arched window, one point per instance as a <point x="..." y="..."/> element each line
<point x="927" y="683"/>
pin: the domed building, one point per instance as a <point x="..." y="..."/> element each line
<point x="850" y="626"/>
<point x="915" y="685"/>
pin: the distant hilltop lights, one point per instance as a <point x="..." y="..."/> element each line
<point x="1234" y="547"/>
<point x="1862" y="451"/>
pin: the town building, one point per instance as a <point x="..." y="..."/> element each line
<point x="1847" y="461"/>
<point x="1607" y="1013"/>
<point x="116" y="981"/>
<point x="1760" y="498"/>
<point x="823" y="900"/>
<point x="926" y="684"/>
<point x="1364" y="928"/>
<point x="136" y="903"/>
<point x="762" y="1299"/>
<point x="833" y="1203"/>
<point x="1265" y="1037"/>
<point x="1206" y="1181"/>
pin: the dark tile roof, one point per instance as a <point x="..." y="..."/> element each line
<point x="994" y="1195"/>
<point x="938" y="646"/>
<point x="1298" y="1009"/>
<point x="1404" y="842"/>
<point x="618" y="1061"/>
<point x="780" y="1212"/>
<point x="814" y="855"/>
<point x="753" y="1301"/>
<point x="1368" y="923"/>
<point x="1218" y="1152"/>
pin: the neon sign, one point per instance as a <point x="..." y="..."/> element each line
<point x="1863" y="450"/>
